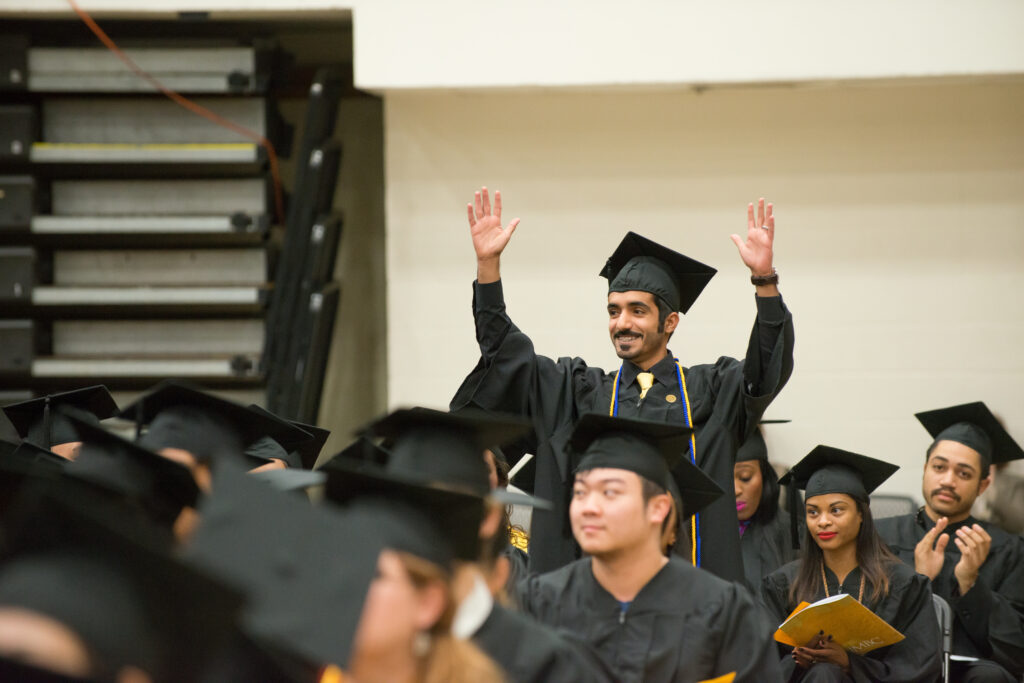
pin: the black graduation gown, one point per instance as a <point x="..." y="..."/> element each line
<point x="684" y="625"/>
<point x="908" y="608"/>
<point x="727" y="398"/>
<point x="529" y="652"/>
<point x="766" y="547"/>
<point x="988" y="622"/>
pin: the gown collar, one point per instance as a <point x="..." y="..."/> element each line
<point x="604" y="598"/>
<point x="473" y="611"/>
<point x="664" y="371"/>
<point x="928" y="524"/>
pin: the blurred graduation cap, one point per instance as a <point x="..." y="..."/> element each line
<point x="754" y="448"/>
<point x="974" y="426"/>
<point x="305" y="569"/>
<point x="290" y="479"/>
<point x="832" y="470"/>
<point x="180" y="415"/>
<point x="159" y="486"/>
<point x="447" y="448"/>
<point x="36" y="422"/>
<point x="653" y="450"/>
<point x="644" y="265"/>
<point x="359" y="452"/>
<point x="80" y="561"/>
<point x="447" y="521"/>
<point x="23" y="463"/>
<point x="301" y="447"/>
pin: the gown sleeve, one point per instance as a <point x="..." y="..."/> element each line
<point x="994" y="615"/>
<point x="510" y="377"/>
<point x="768" y="363"/>
<point x="746" y="646"/>
<point x="775" y="602"/>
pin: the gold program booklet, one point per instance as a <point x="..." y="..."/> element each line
<point x="851" y="624"/>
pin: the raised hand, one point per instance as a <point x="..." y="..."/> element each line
<point x="489" y="238"/>
<point x="756" y="252"/>
<point x="929" y="553"/>
<point x="974" y="543"/>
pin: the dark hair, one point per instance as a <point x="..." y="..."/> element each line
<point x="502" y="468"/>
<point x="664" y="309"/>
<point x="768" y="507"/>
<point x="873" y="558"/>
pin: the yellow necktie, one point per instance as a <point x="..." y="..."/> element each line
<point x="646" y="381"/>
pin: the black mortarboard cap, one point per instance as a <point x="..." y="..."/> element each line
<point x="306" y="569"/>
<point x="264" y="449"/>
<point x="653" y="450"/>
<point x="448" y="448"/>
<point x="180" y="415"/>
<point x="37" y="423"/>
<point x="302" y="444"/>
<point x="22" y="463"/>
<point x="831" y="470"/>
<point x="291" y="479"/>
<point x="309" y="451"/>
<point x="102" y="574"/>
<point x="973" y="425"/>
<point x="448" y="519"/>
<point x="754" y="448"/>
<point x="644" y="265"/>
<point x="360" y="451"/>
<point x="158" y="485"/>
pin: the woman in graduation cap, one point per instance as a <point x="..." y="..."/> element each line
<point x="844" y="554"/>
<point x="764" y="528"/>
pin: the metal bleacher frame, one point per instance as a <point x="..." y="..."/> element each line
<point x="304" y="301"/>
<point x="31" y="302"/>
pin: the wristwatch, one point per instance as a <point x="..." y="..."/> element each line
<point x="761" y="280"/>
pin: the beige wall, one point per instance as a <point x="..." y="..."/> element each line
<point x="900" y="239"/>
<point x="596" y="42"/>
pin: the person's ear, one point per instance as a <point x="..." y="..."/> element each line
<point x="431" y="601"/>
<point x="671" y="322"/>
<point x="987" y="481"/>
<point x="491" y="523"/>
<point x="658" y="508"/>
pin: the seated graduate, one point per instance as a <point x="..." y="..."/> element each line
<point x="87" y="594"/>
<point x="764" y="528"/>
<point x="137" y="480"/>
<point x="39" y="422"/>
<point x="447" y="450"/>
<point x="365" y="590"/>
<point x="291" y="450"/>
<point x="650" y="615"/>
<point x="842" y="553"/>
<point x="976" y="567"/>
<point x="195" y="428"/>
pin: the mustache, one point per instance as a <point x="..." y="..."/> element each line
<point x="949" y="492"/>
<point x="627" y="333"/>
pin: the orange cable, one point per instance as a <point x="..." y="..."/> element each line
<point x="191" y="106"/>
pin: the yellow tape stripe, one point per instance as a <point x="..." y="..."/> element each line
<point x="154" y="145"/>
